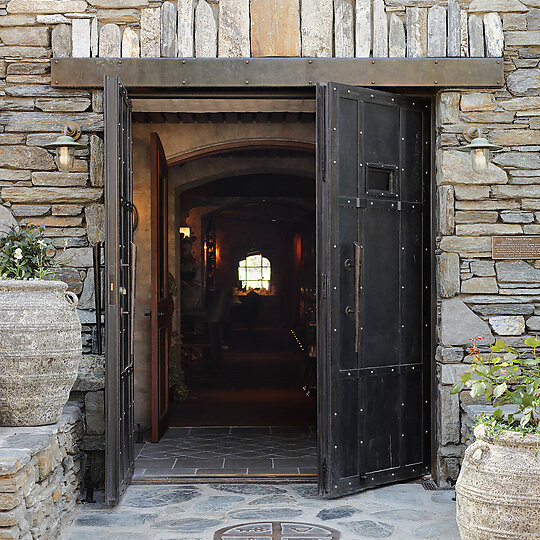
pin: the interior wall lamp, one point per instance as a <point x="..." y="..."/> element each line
<point x="479" y="148"/>
<point x="65" y="146"/>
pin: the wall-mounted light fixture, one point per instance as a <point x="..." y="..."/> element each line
<point x="186" y="231"/>
<point x="479" y="148"/>
<point x="65" y="146"/>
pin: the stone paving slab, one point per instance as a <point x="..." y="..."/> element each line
<point x="185" y="512"/>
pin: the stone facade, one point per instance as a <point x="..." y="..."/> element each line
<point x="40" y="477"/>
<point x="499" y="298"/>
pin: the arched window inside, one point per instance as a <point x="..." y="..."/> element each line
<point x="254" y="272"/>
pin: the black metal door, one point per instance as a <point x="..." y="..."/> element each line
<point x="374" y="271"/>
<point x="119" y="272"/>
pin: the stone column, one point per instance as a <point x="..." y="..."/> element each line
<point x="185" y="28"/>
<point x="317" y="17"/>
<point x="205" y="31"/>
<point x="233" y="35"/>
<point x="168" y="30"/>
<point x="150" y="33"/>
<point x="343" y="28"/>
<point x="363" y="28"/>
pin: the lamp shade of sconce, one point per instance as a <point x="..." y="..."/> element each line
<point x="65" y="146"/>
<point x="479" y="148"/>
<point x="186" y="231"/>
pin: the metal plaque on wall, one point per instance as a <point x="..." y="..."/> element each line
<point x="516" y="247"/>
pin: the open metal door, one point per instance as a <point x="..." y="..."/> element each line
<point x="119" y="272"/>
<point x="374" y="271"/>
<point x="162" y="303"/>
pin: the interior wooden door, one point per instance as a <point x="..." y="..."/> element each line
<point x="120" y="280"/>
<point x="374" y="315"/>
<point x="162" y="303"/>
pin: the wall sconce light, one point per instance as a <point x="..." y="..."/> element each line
<point x="479" y="148"/>
<point x="186" y="231"/>
<point x="65" y="146"/>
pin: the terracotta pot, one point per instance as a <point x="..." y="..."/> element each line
<point x="498" y="489"/>
<point x="40" y="350"/>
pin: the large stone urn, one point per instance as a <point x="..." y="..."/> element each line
<point x="40" y="350"/>
<point x="498" y="489"/>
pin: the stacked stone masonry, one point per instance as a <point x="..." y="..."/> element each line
<point x="497" y="298"/>
<point x="40" y="477"/>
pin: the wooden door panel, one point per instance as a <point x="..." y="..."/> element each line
<point x="162" y="303"/>
<point x="373" y="316"/>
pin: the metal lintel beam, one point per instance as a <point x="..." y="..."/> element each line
<point x="278" y="72"/>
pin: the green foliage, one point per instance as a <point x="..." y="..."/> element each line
<point x="506" y="377"/>
<point x="24" y="255"/>
<point x="177" y="385"/>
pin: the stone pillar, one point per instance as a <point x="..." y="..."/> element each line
<point x="380" y="30"/>
<point x="186" y="11"/>
<point x="205" y="31"/>
<point x="110" y="40"/>
<point x="233" y="35"/>
<point x="80" y="31"/>
<point x="275" y="28"/>
<point x="416" y="32"/>
<point x="168" y="30"/>
<point x="150" y="33"/>
<point x="343" y="28"/>
<point x="363" y="28"/>
<point x="317" y="17"/>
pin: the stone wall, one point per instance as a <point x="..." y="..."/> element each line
<point x="231" y="28"/>
<point x="502" y="299"/>
<point x="40" y="477"/>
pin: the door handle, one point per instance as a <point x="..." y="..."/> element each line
<point x="357" y="270"/>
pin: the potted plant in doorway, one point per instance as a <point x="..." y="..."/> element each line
<point x="498" y="488"/>
<point x="40" y="332"/>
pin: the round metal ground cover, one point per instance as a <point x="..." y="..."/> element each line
<point x="276" y="530"/>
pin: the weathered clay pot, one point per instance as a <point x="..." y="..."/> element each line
<point x="40" y="350"/>
<point x="498" y="489"/>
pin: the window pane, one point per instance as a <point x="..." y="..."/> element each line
<point x="254" y="272"/>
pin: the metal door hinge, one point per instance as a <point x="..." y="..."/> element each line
<point x="324" y="473"/>
<point x="324" y="285"/>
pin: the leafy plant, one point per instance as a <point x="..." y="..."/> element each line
<point x="506" y="377"/>
<point x="25" y="255"/>
<point x="177" y="384"/>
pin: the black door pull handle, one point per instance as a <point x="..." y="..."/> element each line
<point x="349" y="311"/>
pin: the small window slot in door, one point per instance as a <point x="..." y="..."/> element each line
<point x="381" y="180"/>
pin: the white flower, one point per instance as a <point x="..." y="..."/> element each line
<point x="18" y="254"/>
<point x="41" y="243"/>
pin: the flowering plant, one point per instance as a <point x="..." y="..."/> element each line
<point x="24" y="255"/>
<point x="506" y="377"/>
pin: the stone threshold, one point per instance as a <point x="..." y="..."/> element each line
<point x="148" y="479"/>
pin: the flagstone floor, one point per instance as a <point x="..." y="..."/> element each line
<point x="182" y="512"/>
<point x="229" y="451"/>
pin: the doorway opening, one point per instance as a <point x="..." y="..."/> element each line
<point x="242" y="354"/>
<point x="374" y="262"/>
